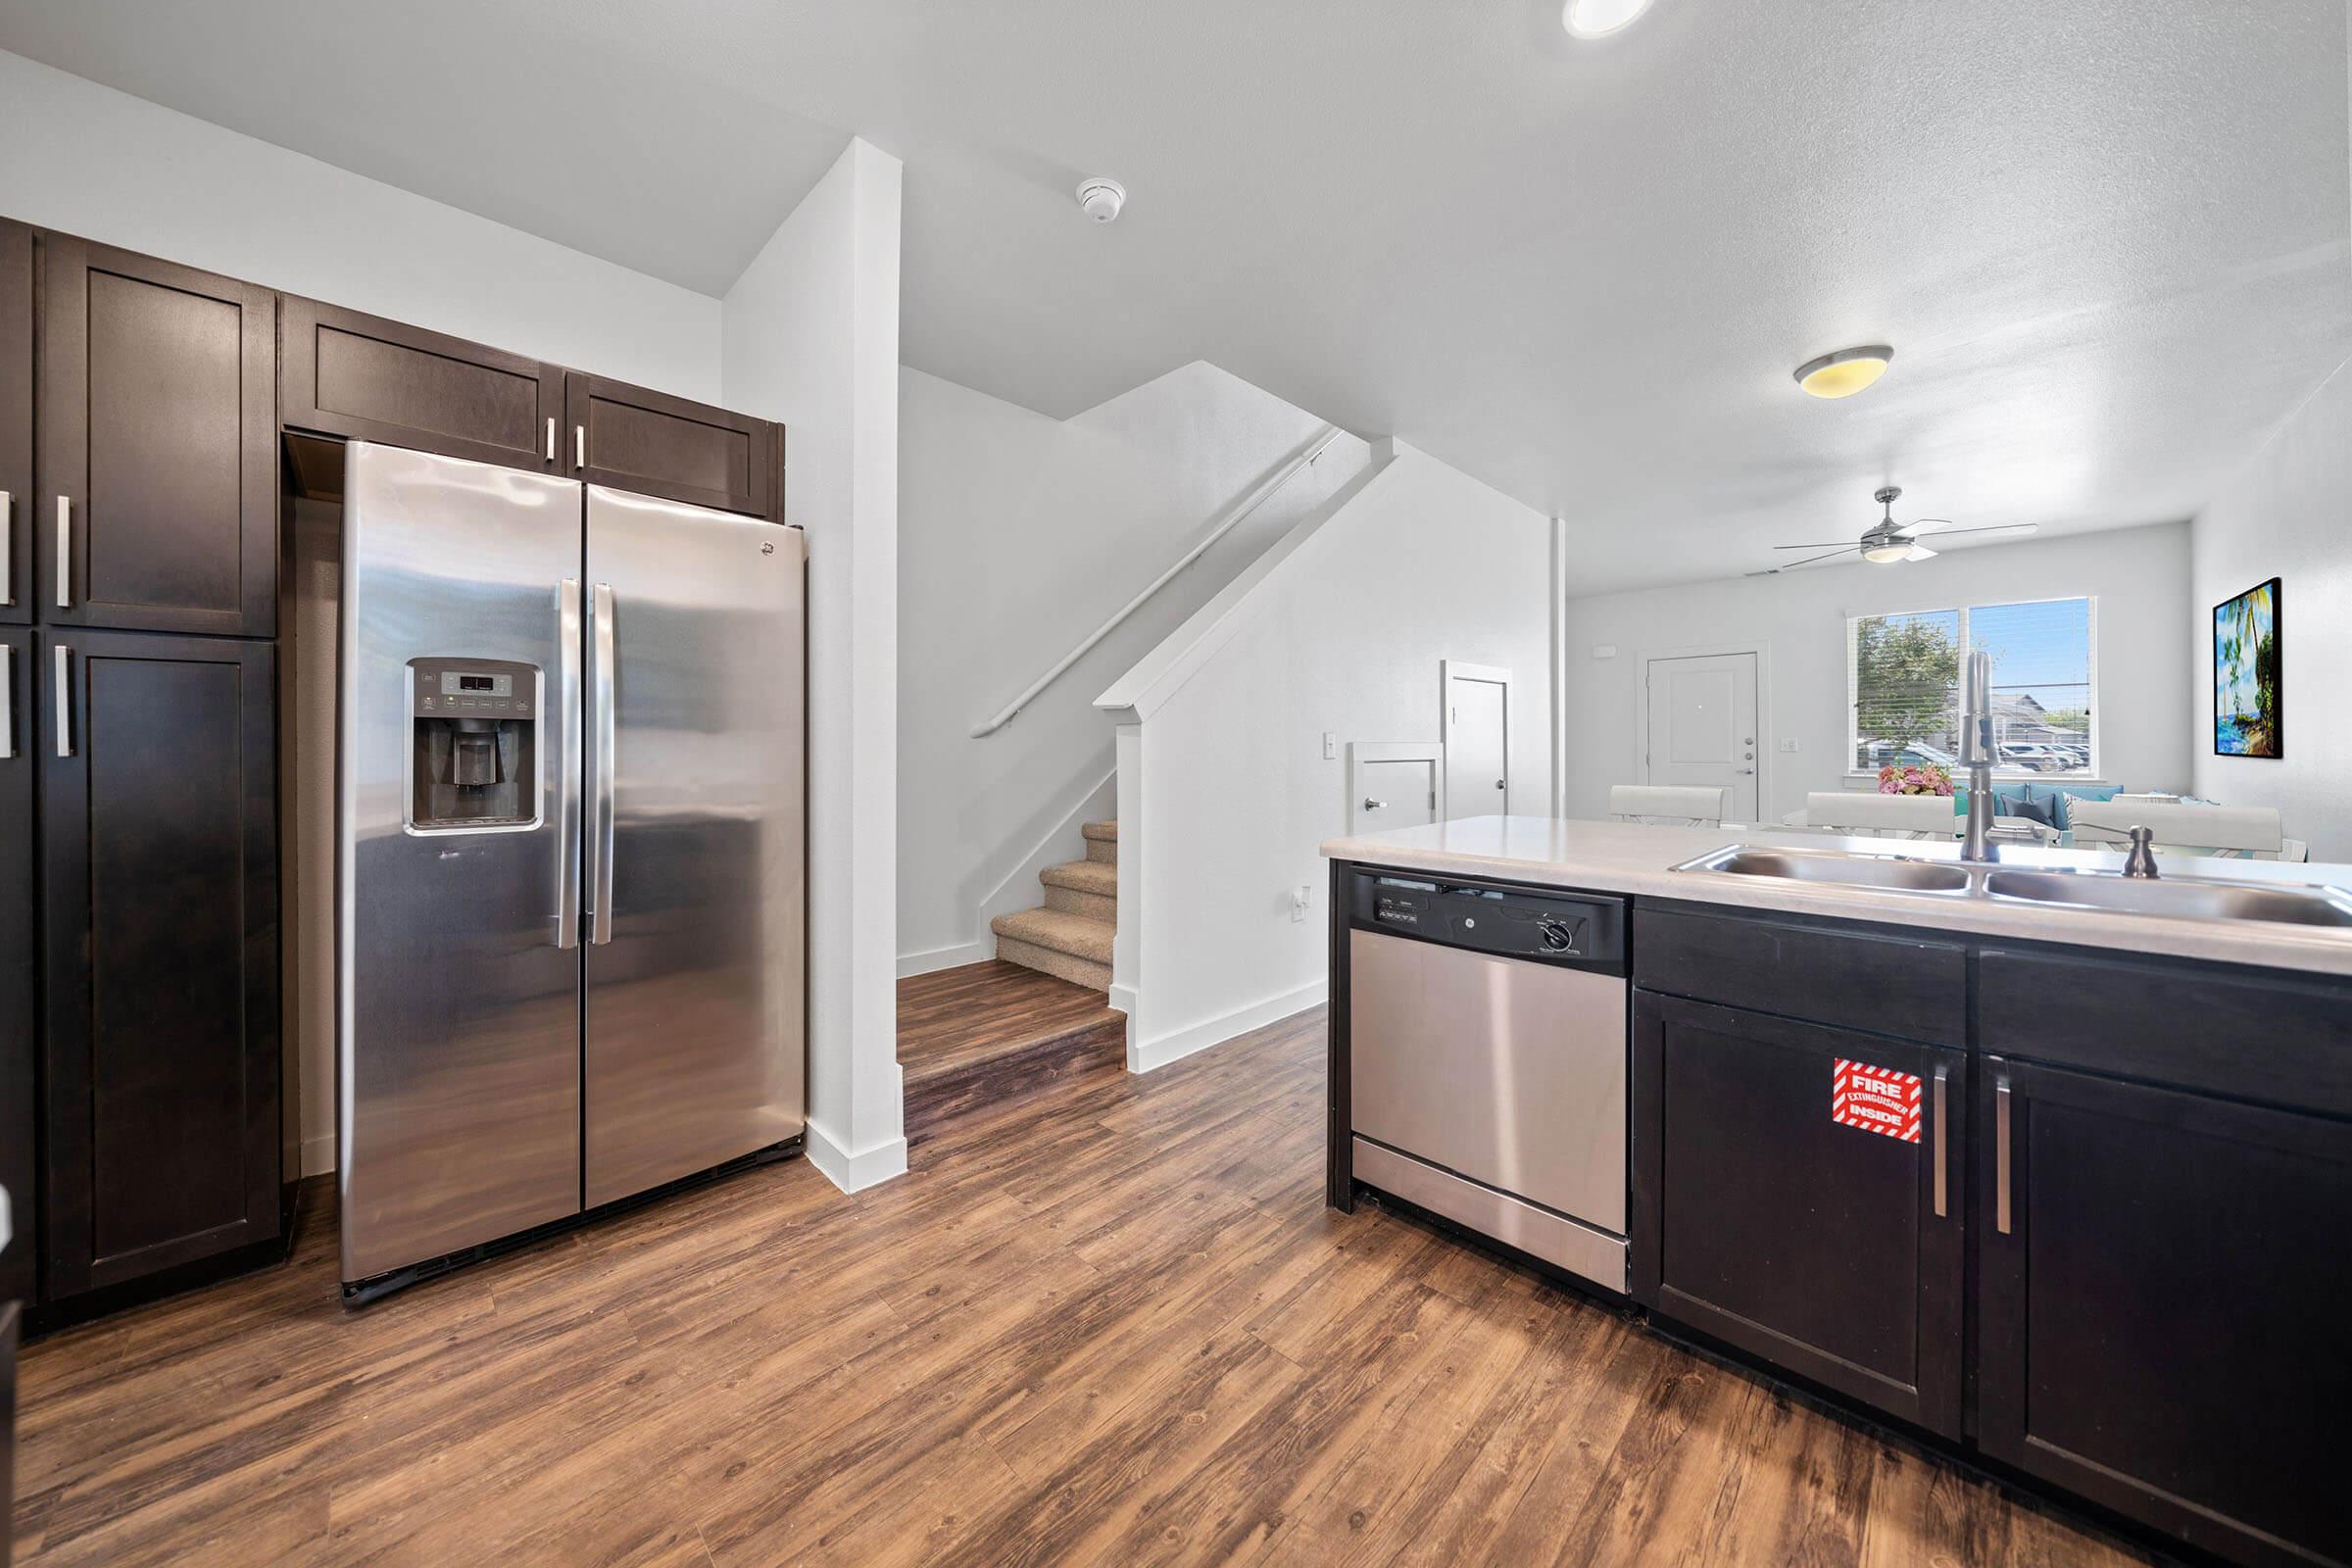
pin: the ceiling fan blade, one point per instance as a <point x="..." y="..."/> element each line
<point x="1920" y="553"/>
<point x="1830" y="544"/>
<point x="1774" y="572"/>
<point x="1928" y="525"/>
<point x="1998" y="527"/>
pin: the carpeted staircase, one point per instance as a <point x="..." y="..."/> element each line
<point x="1070" y="937"/>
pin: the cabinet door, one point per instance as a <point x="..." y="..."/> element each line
<point x="2163" y="1279"/>
<point x="656" y="445"/>
<point x="1773" y="1210"/>
<point x="157" y="446"/>
<point x="15" y="424"/>
<point x="20" y="716"/>
<point x="160" y="934"/>
<point x="372" y="379"/>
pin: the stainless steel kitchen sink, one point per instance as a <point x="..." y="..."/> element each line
<point x="1834" y="866"/>
<point x="2182" y="898"/>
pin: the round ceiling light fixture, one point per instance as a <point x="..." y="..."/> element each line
<point x="1597" y="19"/>
<point x="1846" y="373"/>
<point x="1101" y="199"/>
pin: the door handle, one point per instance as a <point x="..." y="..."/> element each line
<point x="1943" y="1197"/>
<point x="579" y="446"/>
<point x="1371" y="805"/>
<point x="1499" y="783"/>
<point x="8" y="540"/>
<point x="8" y="703"/>
<point x="64" y="552"/>
<point x="568" y="789"/>
<point x="2000" y="1154"/>
<point x="551" y="438"/>
<point x="604" y="830"/>
<point x="65" y="701"/>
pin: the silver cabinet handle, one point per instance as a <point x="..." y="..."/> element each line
<point x="1941" y="1156"/>
<point x="567" y="789"/>
<point x="64" y="552"/>
<point x="7" y="539"/>
<point x="1371" y="805"/>
<point x="65" y="701"/>
<point x="604" y="829"/>
<point x="2000" y="1154"/>
<point x="579" y="446"/>
<point x="551" y="438"/>
<point x="7" y="701"/>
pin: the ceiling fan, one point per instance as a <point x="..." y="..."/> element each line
<point x="1888" y="541"/>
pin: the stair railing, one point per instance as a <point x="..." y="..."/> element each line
<point x="1233" y="519"/>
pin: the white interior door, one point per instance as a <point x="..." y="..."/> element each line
<point x="1703" y="726"/>
<point x="1393" y="784"/>
<point x="1477" y="733"/>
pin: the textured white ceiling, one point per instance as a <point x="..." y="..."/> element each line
<point x="2107" y="238"/>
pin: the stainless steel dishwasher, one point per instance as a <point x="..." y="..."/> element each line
<point x="1488" y="1062"/>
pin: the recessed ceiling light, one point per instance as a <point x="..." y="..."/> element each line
<point x="1846" y="373"/>
<point x="1597" y="19"/>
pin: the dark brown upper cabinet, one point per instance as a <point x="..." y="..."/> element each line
<point x="158" y="435"/>
<point x="370" y="379"/>
<point x="15" y="424"/>
<point x="160" y="936"/>
<point x="657" y="445"/>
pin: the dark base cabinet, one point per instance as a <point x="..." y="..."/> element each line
<point x="2133" y="1178"/>
<point x="160" y="931"/>
<point x="19" y="1031"/>
<point x="2166" y="1307"/>
<point x="1759" y="1218"/>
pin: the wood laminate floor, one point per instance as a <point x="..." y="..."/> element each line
<point x="1106" y="1320"/>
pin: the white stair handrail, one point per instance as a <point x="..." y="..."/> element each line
<point x="1233" y="519"/>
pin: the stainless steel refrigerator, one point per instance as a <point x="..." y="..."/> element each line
<point x="570" y="855"/>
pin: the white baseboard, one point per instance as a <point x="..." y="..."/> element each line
<point x="318" y="1154"/>
<point x="949" y="958"/>
<point x="854" y="1173"/>
<point x="1150" y="1055"/>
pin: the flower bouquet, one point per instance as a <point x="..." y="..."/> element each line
<point x="1915" y="779"/>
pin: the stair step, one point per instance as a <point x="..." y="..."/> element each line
<point x="1072" y="934"/>
<point x="1083" y="876"/>
<point x="1048" y="960"/>
<point x="1101" y="907"/>
<point x="1108" y="832"/>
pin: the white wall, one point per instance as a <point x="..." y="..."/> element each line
<point x="2287" y="513"/>
<point x="2146" y="669"/>
<point x="1019" y="535"/>
<point x="1422" y="563"/>
<point x="87" y="159"/>
<point x="810" y="337"/>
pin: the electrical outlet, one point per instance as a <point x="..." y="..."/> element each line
<point x="1302" y="900"/>
<point x="1788" y="745"/>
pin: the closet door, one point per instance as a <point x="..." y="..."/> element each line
<point x="159" y="804"/>
<point x="158" y="500"/>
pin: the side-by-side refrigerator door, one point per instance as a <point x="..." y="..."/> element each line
<point x="458" y="836"/>
<point x="695" y="922"/>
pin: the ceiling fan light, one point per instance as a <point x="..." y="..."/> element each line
<point x="1888" y="554"/>
<point x="1597" y="19"/>
<point x="1844" y="372"/>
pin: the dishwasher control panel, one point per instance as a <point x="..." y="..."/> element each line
<point x="1584" y="930"/>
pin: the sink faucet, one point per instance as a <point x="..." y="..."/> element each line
<point x="1977" y="752"/>
<point x="2141" y="861"/>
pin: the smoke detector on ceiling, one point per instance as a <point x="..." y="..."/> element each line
<point x="1101" y="199"/>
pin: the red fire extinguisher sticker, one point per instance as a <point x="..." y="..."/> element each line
<point x="1877" y="1100"/>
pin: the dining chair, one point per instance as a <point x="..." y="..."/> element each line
<point x="1669" y="804"/>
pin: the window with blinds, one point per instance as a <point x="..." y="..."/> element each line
<point x="1903" y="685"/>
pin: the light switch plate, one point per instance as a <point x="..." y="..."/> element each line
<point x="1331" y="745"/>
<point x="1788" y="745"/>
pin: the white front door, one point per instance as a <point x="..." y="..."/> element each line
<point x="1703" y="726"/>
<point x="1478" y="728"/>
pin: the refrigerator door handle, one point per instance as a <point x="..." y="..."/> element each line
<point x="567" y="789"/>
<point x="602" y="839"/>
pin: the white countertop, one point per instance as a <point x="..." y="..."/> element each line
<point x="1630" y="858"/>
